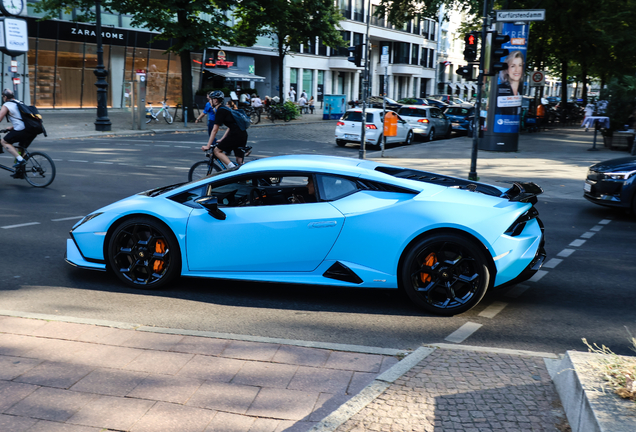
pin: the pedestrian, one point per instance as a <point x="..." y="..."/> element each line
<point x="311" y="104"/>
<point x="233" y="139"/>
<point x="589" y="112"/>
<point x="210" y="112"/>
<point x="302" y="103"/>
<point x="292" y="94"/>
<point x="303" y="93"/>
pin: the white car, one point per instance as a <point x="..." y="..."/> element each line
<point x="349" y="128"/>
<point x="428" y="121"/>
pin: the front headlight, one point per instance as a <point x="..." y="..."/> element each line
<point x="620" y="175"/>
<point x="86" y="219"/>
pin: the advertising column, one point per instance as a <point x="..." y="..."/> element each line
<point x="506" y="89"/>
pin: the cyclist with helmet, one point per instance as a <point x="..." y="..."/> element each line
<point x="232" y="139"/>
<point x="17" y="135"/>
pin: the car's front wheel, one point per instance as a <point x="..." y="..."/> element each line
<point x="445" y="274"/>
<point x="144" y="253"/>
<point x="431" y="135"/>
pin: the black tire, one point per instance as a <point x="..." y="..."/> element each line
<point x="447" y="135"/>
<point x="255" y="117"/>
<point x="431" y="135"/>
<point x="144" y="253"/>
<point x="202" y="169"/>
<point x="456" y="276"/>
<point x="39" y="170"/>
<point x="168" y="117"/>
<point x="409" y="138"/>
<point x="341" y="143"/>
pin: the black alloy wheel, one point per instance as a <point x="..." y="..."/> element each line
<point x="409" y="138"/>
<point x="341" y="143"/>
<point x="445" y="274"/>
<point x="431" y="135"/>
<point x="143" y="253"/>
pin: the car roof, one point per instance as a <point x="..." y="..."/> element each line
<point x="461" y="105"/>
<point x="418" y="106"/>
<point x="369" y="110"/>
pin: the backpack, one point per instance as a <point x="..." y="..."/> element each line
<point x="240" y="118"/>
<point x="31" y="118"/>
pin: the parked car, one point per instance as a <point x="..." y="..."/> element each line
<point x="349" y="127"/>
<point x="445" y="241"/>
<point x="414" y="101"/>
<point x="428" y="121"/>
<point x="612" y="183"/>
<point x="438" y="103"/>
<point x="449" y="99"/>
<point x="460" y="117"/>
<point x="377" y="102"/>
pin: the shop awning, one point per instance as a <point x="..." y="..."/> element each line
<point x="235" y="75"/>
<point x="452" y="85"/>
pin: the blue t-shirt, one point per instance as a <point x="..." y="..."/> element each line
<point x="210" y="112"/>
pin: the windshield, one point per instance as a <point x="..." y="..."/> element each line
<point x="457" y="111"/>
<point x="356" y="116"/>
<point x="412" y="112"/>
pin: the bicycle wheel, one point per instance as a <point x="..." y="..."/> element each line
<point x="148" y="119"/>
<point x="202" y="169"/>
<point x="39" y="170"/>
<point x="254" y="117"/>
<point x="167" y="117"/>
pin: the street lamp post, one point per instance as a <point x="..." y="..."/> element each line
<point x="102" y="123"/>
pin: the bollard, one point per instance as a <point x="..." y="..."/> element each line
<point x="185" y="116"/>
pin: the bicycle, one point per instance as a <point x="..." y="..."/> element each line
<point x="280" y="112"/>
<point x="38" y="171"/>
<point x="204" y="168"/>
<point x="254" y="114"/>
<point x="151" y="115"/>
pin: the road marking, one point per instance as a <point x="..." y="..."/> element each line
<point x="20" y="225"/>
<point x="517" y="291"/>
<point x="161" y="145"/>
<point x="184" y="147"/>
<point x="553" y="263"/>
<point x="74" y="160"/>
<point x="143" y="145"/>
<point x="462" y="333"/>
<point x="587" y="235"/>
<point x="565" y="253"/>
<point x="597" y="228"/>
<point x="156" y="166"/>
<point x="104" y="163"/>
<point x="537" y="276"/>
<point x="66" y="218"/>
<point x="493" y="309"/>
<point x="605" y="221"/>
<point x="577" y="242"/>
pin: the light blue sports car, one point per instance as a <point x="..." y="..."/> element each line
<point x="326" y="221"/>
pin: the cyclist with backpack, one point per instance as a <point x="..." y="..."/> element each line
<point x="235" y="135"/>
<point x="18" y="133"/>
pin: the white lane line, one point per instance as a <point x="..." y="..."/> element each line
<point x="516" y="291"/>
<point x="67" y="218"/>
<point x="20" y="225"/>
<point x="492" y="310"/>
<point x="161" y="145"/>
<point x="587" y="235"/>
<point x="104" y="163"/>
<point x="604" y="221"/>
<point x="565" y="253"/>
<point x="143" y="145"/>
<point x="183" y="168"/>
<point x="156" y="166"/>
<point x="597" y="228"/>
<point x="74" y="160"/>
<point x="268" y="152"/>
<point x="577" y="242"/>
<point x="552" y="263"/>
<point x="537" y="276"/>
<point x="183" y="147"/>
<point x="462" y="333"/>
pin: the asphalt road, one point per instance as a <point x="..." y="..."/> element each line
<point x="589" y="293"/>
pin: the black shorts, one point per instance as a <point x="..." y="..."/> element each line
<point x="232" y="143"/>
<point x="21" y="138"/>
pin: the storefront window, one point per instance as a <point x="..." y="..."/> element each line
<point x="43" y="80"/>
<point x="308" y="82"/>
<point x="156" y="77"/>
<point x="173" y="91"/>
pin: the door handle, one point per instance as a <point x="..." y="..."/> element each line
<point x="322" y="224"/>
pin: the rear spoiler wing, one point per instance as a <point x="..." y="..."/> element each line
<point x="523" y="192"/>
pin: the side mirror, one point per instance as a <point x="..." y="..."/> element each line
<point x="212" y="206"/>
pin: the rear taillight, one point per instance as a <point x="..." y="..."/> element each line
<point x="371" y="126"/>
<point x="517" y="227"/>
<point x="340" y="123"/>
<point x="422" y="121"/>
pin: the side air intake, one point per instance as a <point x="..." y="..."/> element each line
<point x="343" y="273"/>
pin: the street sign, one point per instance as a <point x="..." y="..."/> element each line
<point x="520" y="15"/>
<point x="384" y="58"/>
<point x="537" y="79"/>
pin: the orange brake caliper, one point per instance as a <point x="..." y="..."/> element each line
<point x="160" y="248"/>
<point x="430" y="261"/>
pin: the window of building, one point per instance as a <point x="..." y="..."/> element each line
<point x="345" y="8"/>
<point x="431" y="58"/>
<point x="387" y="44"/>
<point x="358" y="10"/>
<point x="414" y="54"/>
<point x="308" y="82"/>
<point x="402" y="52"/>
<point x="375" y="20"/>
<point x="310" y="47"/>
<point x="322" y="48"/>
<point x="342" y="51"/>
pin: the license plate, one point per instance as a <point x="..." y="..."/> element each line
<point x="587" y="187"/>
<point x="350" y="136"/>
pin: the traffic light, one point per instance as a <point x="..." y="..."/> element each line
<point x="497" y="52"/>
<point x="468" y="72"/>
<point x="470" y="47"/>
<point x="355" y="54"/>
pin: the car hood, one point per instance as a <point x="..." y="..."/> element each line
<point x="620" y="164"/>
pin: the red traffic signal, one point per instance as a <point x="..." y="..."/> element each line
<point x="470" y="47"/>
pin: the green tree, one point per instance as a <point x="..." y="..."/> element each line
<point x="290" y="22"/>
<point x="192" y="24"/>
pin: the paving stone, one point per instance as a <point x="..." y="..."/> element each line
<point x="320" y="380"/>
<point x="301" y="356"/>
<point x="227" y="422"/>
<point x="201" y="345"/>
<point x="154" y="341"/>
<point x="21" y="326"/>
<point x="292" y="426"/>
<point x="264" y="374"/>
<point x="109" y="382"/>
<point x="60" y="330"/>
<point x="11" y="423"/>
<point x="359" y="381"/>
<point x="166" y="388"/>
<point x="48" y="426"/>
<point x="12" y="367"/>
<point x="231" y="398"/>
<point x="55" y="349"/>
<point x="354" y="361"/>
<point x="283" y="404"/>
<point x="105" y="335"/>
<point x="212" y="368"/>
<point x="54" y="374"/>
<point x="16" y="345"/>
<point x="159" y="362"/>
<point x="250" y="350"/>
<point x="11" y="393"/>
<point x="326" y="404"/>
<point x="167" y="417"/>
<point x="51" y="404"/>
<point x="264" y="425"/>
<point x="105" y="356"/>
<point x="111" y="412"/>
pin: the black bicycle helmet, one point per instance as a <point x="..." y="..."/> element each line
<point x="217" y="94"/>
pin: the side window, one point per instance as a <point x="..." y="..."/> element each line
<point x="332" y="188"/>
<point x="232" y="194"/>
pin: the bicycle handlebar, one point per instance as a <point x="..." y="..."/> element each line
<point x="4" y="130"/>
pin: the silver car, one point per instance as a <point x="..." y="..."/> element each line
<point x="428" y="121"/>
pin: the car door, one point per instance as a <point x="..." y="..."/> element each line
<point x="402" y="130"/>
<point x="438" y="121"/>
<point x="279" y="236"/>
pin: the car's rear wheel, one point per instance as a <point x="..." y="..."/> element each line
<point x="341" y="143"/>
<point x="144" y="253"/>
<point x="447" y="135"/>
<point x="431" y="135"/>
<point x="409" y="138"/>
<point x="446" y="274"/>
